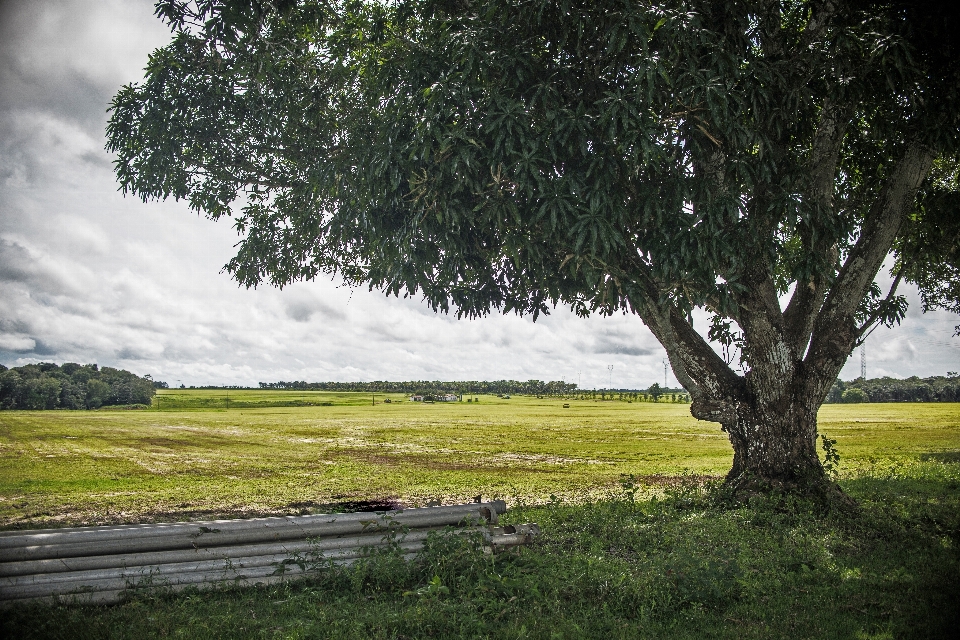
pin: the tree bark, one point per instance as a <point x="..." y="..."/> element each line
<point x="775" y="445"/>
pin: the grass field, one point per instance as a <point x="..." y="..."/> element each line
<point x="638" y="540"/>
<point x="245" y="452"/>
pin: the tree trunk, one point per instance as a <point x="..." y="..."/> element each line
<point x="775" y="446"/>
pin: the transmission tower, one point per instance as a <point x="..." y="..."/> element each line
<point x="666" y="363"/>
<point x="863" y="361"/>
<point x="610" y="368"/>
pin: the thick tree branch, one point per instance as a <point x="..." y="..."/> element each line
<point x="713" y="386"/>
<point x="804" y="305"/>
<point x="820" y="15"/>
<point x="835" y="333"/>
<point x="770" y="28"/>
<point x="767" y="354"/>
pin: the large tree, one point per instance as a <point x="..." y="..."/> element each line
<point x="757" y="159"/>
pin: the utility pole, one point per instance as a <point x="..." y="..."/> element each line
<point x="863" y="361"/>
<point x="610" y="368"/>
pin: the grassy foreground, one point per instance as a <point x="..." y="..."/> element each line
<point x="684" y="566"/>
<point x="660" y="554"/>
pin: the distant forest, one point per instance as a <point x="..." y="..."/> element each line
<point x="486" y="387"/>
<point x="72" y="386"/>
<point x="914" y="389"/>
<point x="933" y="389"/>
<point x="435" y="387"/>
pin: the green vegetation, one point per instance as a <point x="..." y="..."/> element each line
<point x="259" y="451"/>
<point x="854" y="395"/>
<point x="688" y="565"/>
<point x="72" y="386"/>
<point x="639" y="538"/>
<point x="912" y="389"/>
<point x="263" y="451"/>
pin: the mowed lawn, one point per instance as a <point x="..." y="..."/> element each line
<point x="233" y="453"/>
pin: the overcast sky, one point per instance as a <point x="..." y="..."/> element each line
<point x="87" y="275"/>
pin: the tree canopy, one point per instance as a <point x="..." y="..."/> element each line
<point x="610" y="156"/>
<point x="912" y="389"/>
<point x="72" y="386"/>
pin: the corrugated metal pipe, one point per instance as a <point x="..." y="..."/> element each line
<point x="99" y="564"/>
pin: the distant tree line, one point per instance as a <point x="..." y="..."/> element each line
<point x="495" y="387"/>
<point x="72" y="386"/>
<point x="435" y="387"/>
<point x="655" y="393"/>
<point x="913" y="389"/>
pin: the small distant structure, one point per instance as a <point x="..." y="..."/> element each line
<point x="446" y="397"/>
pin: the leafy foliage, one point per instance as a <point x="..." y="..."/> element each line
<point x="886" y="389"/>
<point x="929" y="250"/>
<point x="72" y="386"/>
<point x="831" y="462"/>
<point x="512" y="155"/>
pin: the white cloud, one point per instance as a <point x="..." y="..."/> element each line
<point x="13" y="342"/>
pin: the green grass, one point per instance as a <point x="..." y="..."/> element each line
<point x="684" y="566"/>
<point x="113" y="466"/>
<point x="664" y="554"/>
<point x="87" y="467"/>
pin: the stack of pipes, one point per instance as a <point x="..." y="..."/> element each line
<point x="99" y="564"/>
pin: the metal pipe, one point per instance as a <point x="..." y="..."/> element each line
<point x="253" y="575"/>
<point x="207" y="537"/>
<point x="109" y="560"/>
<point x="184" y="555"/>
<point x="32" y="584"/>
<point x="116" y="595"/>
<point x="178" y="571"/>
<point x="444" y="515"/>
